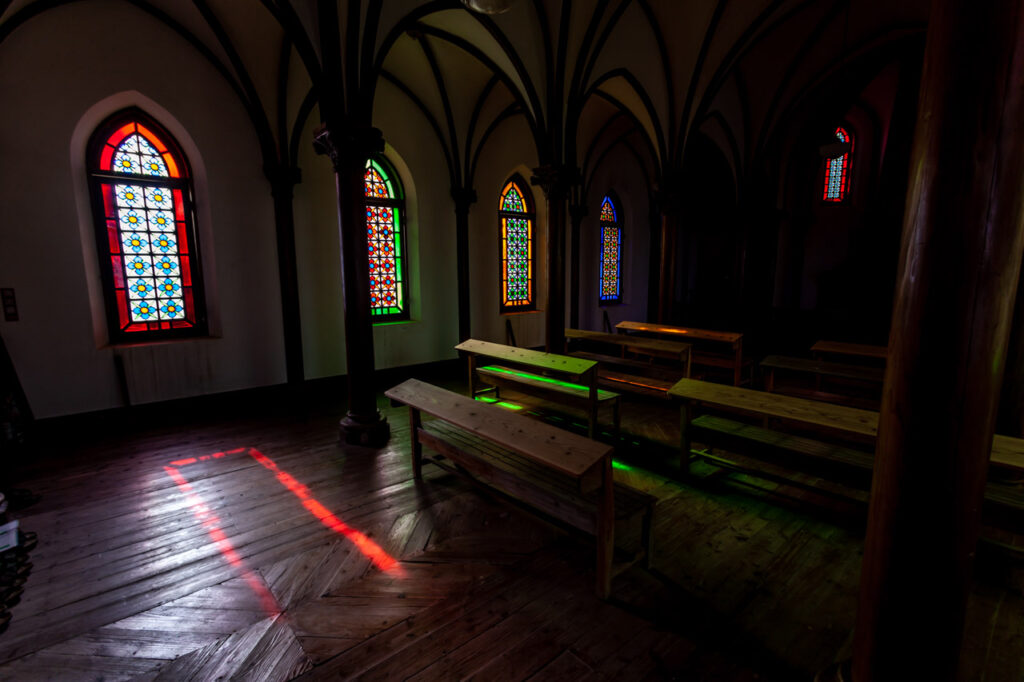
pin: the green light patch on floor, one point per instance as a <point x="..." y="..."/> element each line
<point x="500" y="403"/>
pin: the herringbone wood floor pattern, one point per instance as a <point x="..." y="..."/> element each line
<point x="226" y="573"/>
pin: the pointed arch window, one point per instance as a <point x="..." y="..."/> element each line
<point x="145" y="228"/>
<point x="516" y="214"/>
<point x="610" y="285"/>
<point x="837" y="169"/>
<point x="389" y="270"/>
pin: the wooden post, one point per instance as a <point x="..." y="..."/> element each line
<point x="554" y="181"/>
<point x="605" y="529"/>
<point x="959" y="264"/>
<point x="414" y="438"/>
<point x="349" y="147"/>
<point x="464" y="197"/>
<point x="685" y="435"/>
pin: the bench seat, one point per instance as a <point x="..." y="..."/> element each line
<point x="541" y="488"/>
<point x="1003" y="502"/>
<point x="627" y="375"/>
<point x="561" y="474"/>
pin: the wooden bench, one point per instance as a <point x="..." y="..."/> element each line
<point x="560" y="378"/>
<point x="732" y="360"/>
<point x="621" y="373"/>
<point x="852" y="375"/>
<point x="857" y="350"/>
<point x="564" y="475"/>
<point x="826" y="459"/>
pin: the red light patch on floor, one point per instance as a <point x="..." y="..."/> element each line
<point x="370" y="549"/>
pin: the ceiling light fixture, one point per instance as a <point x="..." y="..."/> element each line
<point x="489" y="6"/>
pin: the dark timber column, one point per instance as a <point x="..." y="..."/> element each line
<point x="577" y="211"/>
<point x="349" y="148"/>
<point x="959" y="264"/>
<point x="669" y="202"/>
<point x="464" y="197"/>
<point x="282" y="182"/>
<point x="555" y="183"/>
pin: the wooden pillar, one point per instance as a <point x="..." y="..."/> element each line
<point x="959" y="263"/>
<point x="554" y="181"/>
<point x="464" y="197"/>
<point x="349" y="147"/>
<point x="282" y="182"/>
<point x="668" y="203"/>
<point x="577" y="211"/>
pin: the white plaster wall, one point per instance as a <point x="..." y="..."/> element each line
<point x="53" y="72"/>
<point x="510" y="150"/>
<point x="432" y="330"/>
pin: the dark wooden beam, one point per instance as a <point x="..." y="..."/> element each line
<point x="555" y="181"/>
<point x="959" y="266"/>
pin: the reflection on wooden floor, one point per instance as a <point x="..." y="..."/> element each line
<point x="236" y="575"/>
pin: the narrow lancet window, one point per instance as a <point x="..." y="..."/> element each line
<point x="516" y="216"/>
<point x="610" y="285"/>
<point x="837" y="169"/>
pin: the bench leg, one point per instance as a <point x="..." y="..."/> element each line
<point x="647" y="537"/>
<point x="685" y="417"/>
<point x="592" y="425"/>
<point x="605" y="532"/>
<point x="616" y="419"/>
<point x="417" y="447"/>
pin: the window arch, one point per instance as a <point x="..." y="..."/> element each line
<point x="837" y="169"/>
<point x="516" y="213"/>
<point x="610" y="284"/>
<point x="389" y="268"/>
<point x="142" y="192"/>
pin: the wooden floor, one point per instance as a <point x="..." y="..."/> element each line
<point x="277" y="553"/>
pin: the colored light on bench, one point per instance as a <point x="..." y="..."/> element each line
<point x="535" y="377"/>
<point x="619" y="465"/>
<point x="500" y="403"/>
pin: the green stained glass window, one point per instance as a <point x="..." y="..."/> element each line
<point x="516" y="248"/>
<point x="386" y="243"/>
<point x="610" y="266"/>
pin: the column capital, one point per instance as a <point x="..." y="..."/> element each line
<point x="282" y="178"/>
<point x="464" y="196"/>
<point x="554" y="180"/>
<point x="347" y="145"/>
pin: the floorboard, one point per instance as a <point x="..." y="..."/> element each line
<point x="225" y="573"/>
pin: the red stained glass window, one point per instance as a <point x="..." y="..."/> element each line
<point x="837" y="169"/>
<point x="386" y="243"/>
<point x="610" y="266"/>
<point x="142" y="198"/>
<point x="516" y="215"/>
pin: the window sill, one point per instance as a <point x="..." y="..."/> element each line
<point x="157" y="342"/>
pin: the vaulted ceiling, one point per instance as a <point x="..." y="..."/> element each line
<point x="588" y="76"/>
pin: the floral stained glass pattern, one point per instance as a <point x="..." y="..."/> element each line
<point x="610" y="285"/>
<point x="384" y="242"/>
<point x="516" y="250"/>
<point x="837" y="170"/>
<point x="143" y="201"/>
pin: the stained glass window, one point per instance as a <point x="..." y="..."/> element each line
<point x="610" y="285"/>
<point x="142" y="197"/>
<point x="837" y="169"/>
<point x="516" y="248"/>
<point x="386" y="242"/>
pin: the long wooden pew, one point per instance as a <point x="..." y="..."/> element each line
<point x="567" y="380"/>
<point x="850" y="423"/>
<point x="733" y="359"/>
<point x="559" y="473"/>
